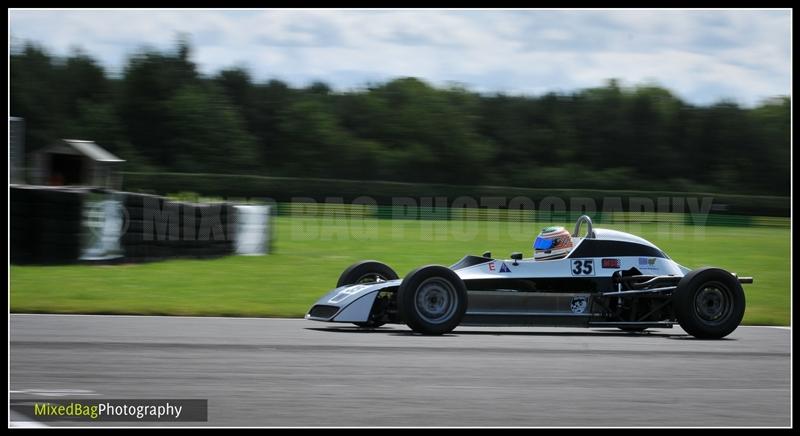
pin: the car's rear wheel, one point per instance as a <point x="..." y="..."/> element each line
<point x="365" y="272"/>
<point x="709" y="303"/>
<point x="432" y="300"/>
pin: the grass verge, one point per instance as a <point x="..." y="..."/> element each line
<point x="310" y="253"/>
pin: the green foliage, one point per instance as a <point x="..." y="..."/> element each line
<point x="161" y="114"/>
<point x="206" y="132"/>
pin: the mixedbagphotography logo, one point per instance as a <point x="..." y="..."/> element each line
<point x="496" y="218"/>
<point x="97" y="410"/>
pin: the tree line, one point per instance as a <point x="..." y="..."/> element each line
<point x="161" y="114"/>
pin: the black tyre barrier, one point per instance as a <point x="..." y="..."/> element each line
<point x="52" y="226"/>
<point x="55" y="225"/>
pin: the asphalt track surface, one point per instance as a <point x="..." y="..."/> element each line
<point x="292" y="372"/>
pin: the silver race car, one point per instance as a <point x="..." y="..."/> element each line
<point x="605" y="278"/>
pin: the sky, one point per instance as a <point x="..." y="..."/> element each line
<point x="703" y="56"/>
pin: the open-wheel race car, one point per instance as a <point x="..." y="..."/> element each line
<point x="605" y="278"/>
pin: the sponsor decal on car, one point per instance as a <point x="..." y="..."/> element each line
<point x="578" y="305"/>
<point x="647" y="262"/>
<point x="611" y="263"/>
<point x="491" y="267"/>
<point x="504" y="268"/>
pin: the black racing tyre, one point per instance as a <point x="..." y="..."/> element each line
<point x="432" y="300"/>
<point x="367" y="271"/>
<point x="709" y="303"/>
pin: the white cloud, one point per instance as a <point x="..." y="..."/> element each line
<point x="702" y="55"/>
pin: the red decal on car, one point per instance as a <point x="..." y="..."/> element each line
<point x="611" y="263"/>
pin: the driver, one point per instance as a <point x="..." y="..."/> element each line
<point x="552" y="243"/>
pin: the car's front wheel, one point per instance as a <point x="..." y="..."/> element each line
<point x="709" y="303"/>
<point x="432" y="300"/>
<point x="365" y="272"/>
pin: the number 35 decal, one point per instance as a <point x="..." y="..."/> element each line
<point x="583" y="267"/>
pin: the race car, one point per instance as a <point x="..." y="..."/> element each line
<point x="605" y="278"/>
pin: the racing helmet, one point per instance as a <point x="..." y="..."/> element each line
<point x="552" y="243"/>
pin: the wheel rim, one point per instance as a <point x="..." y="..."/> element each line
<point x="435" y="300"/>
<point x="713" y="303"/>
<point x="371" y="278"/>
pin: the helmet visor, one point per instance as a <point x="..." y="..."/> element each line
<point x="544" y="244"/>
